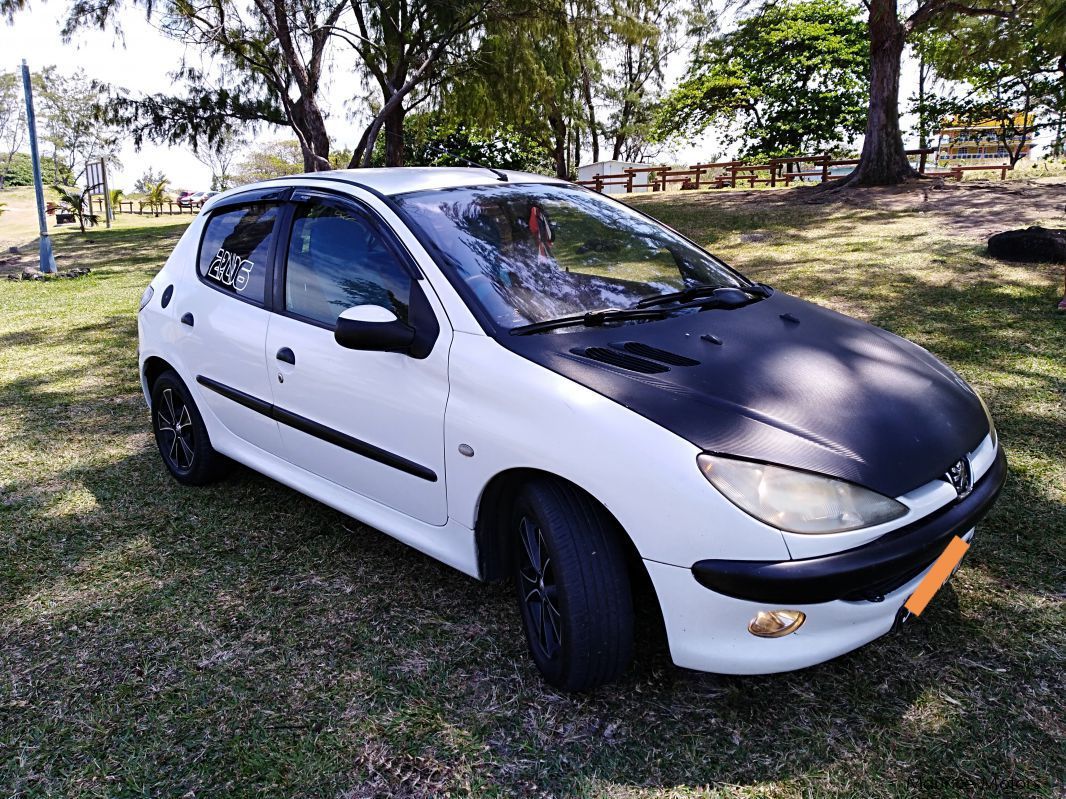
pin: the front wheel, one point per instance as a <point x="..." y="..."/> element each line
<point x="573" y="587"/>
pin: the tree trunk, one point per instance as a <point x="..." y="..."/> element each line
<point x="558" y="126"/>
<point x="310" y="126"/>
<point x="590" y="109"/>
<point x="883" y="160"/>
<point x="394" y="137"/>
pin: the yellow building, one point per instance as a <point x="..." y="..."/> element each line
<point x="965" y="143"/>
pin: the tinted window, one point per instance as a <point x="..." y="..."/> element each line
<point x="236" y="248"/>
<point x="337" y="260"/>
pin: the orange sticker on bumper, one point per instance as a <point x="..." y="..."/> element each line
<point x="937" y="576"/>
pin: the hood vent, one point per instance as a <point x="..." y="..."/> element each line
<point x="622" y="360"/>
<point x="646" y="351"/>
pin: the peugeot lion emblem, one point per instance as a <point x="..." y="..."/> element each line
<point x="961" y="477"/>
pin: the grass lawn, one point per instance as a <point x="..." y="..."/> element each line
<point x="242" y="640"/>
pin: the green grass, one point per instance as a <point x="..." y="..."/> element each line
<point x="243" y="640"/>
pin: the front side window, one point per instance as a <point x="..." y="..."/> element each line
<point x="236" y="248"/>
<point x="534" y="252"/>
<point x="337" y="260"/>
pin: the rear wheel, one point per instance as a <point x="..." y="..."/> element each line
<point x="181" y="435"/>
<point x="573" y="587"/>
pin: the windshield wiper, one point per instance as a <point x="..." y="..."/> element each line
<point x="590" y="319"/>
<point x="705" y="290"/>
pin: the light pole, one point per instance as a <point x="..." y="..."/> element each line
<point x="48" y="261"/>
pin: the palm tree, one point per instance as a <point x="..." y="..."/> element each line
<point x="74" y="199"/>
<point x="157" y="195"/>
<point x="116" y="199"/>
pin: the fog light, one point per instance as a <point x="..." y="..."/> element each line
<point x="775" y="623"/>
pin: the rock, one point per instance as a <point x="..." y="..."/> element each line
<point x="1034" y="244"/>
<point x="30" y="271"/>
<point x="14" y="277"/>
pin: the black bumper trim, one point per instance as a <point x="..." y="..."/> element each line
<point x="866" y="572"/>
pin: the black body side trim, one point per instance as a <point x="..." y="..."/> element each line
<point x="247" y="400"/>
<point x="320" y="431"/>
<point x="866" y="572"/>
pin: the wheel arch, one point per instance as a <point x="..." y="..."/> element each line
<point x="153" y="367"/>
<point x="495" y="551"/>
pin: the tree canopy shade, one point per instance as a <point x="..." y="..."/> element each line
<point x="790" y="79"/>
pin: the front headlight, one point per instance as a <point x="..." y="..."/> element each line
<point x="798" y="502"/>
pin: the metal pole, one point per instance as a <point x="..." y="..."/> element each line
<point x="107" y="194"/>
<point x="48" y="261"/>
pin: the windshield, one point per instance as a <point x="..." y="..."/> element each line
<point x="533" y="252"/>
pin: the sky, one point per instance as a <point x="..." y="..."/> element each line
<point x="142" y="58"/>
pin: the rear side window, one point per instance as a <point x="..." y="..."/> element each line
<point x="235" y="252"/>
<point x="338" y="260"/>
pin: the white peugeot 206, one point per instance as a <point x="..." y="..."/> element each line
<point x="530" y="381"/>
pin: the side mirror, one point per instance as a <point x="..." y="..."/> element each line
<point x="371" y="327"/>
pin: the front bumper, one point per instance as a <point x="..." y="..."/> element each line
<point x="871" y="571"/>
<point x="708" y="631"/>
<point x="850" y="598"/>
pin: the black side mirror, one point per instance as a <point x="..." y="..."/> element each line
<point x="373" y="328"/>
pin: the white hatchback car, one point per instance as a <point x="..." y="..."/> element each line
<point x="531" y="381"/>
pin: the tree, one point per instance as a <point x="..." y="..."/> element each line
<point x="434" y="140"/>
<point x="1008" y="69"/>
<point x="76" y="201"/>
<point x="525" y="75"/>
<point x="68" y="122"/>
<point x="269" y="160"/>
<point x="883" y="161"/>
<point x="788" y="80"/>
<point x="219" y="156"/>
<point x="642" y="35"/>
<point x="150" y="178"/>
<point x="157" y="196"/>
<point x="271" y="56"/>
<point x="12" y="121"/>
<point x="406" y="48"/>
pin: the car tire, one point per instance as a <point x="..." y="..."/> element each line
<point x="573" y="586"/>
<point x="181" y="435"/>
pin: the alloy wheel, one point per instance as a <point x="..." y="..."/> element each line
<point x="176" y="431"/>
<point x="539" y="591"/>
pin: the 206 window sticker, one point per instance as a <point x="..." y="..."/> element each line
<point x="230" y="269"/>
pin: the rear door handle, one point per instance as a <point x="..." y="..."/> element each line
<point x="286" y="355"/>
<point x="187" y="319"/>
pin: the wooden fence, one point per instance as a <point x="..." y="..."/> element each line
<point x="775" y="172"/>
<point x="142" y="208"/>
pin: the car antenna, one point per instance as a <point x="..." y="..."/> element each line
<point x="499" y="173"/>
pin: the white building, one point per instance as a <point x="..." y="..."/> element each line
<point x="614" y="169"/>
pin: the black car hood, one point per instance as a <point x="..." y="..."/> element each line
<point x="790" y="383"/>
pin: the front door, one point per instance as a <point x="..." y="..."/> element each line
<point x="372" y="422"/>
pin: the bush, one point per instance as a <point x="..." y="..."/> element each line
<point x="20" y="172"/>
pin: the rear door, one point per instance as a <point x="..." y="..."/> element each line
<point x="372" y="422"/>
<point x="224" y="318"/>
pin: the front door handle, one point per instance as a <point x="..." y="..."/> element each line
<point x="287" y="356"/>
<point x="187" y="319"/>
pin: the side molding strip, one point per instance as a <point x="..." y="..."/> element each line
<point x="320" y="431"/>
